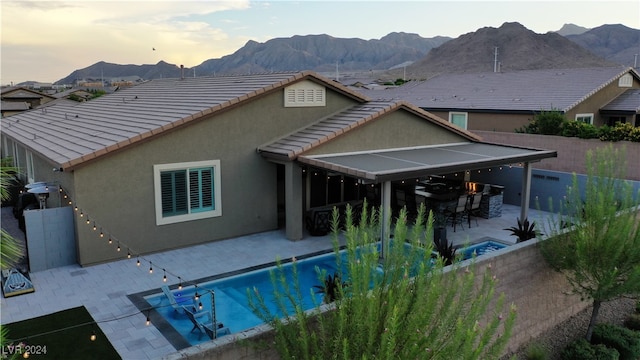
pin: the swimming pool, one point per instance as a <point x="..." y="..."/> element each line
<point x="232" y="303"/>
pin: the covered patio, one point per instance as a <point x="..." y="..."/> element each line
<point x="450" y="164"/>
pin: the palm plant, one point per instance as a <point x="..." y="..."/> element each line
<point x="524" y="231"/>
<point x="331" y="288"/>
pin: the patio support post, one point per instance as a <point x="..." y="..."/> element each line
<point x="385" y="216"/>
<point x="526" y="191"/>
<point x="293" y="200"/>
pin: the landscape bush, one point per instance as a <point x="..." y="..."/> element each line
<point x="633" y="322"/>
<point x="626" y="341"/>
<point x="554" y="123"/>
<point x="536" y="351"/>
<point x="581" y="349"/>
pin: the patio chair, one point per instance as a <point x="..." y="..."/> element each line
<point x="474" y="207"/>
<point x="459" y="212"/>
<point x="203" y="321"/>
<point x="172" y="299"/>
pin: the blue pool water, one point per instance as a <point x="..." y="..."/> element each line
<point x="232" y="305"/>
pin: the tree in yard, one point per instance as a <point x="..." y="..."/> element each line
<point x="10" y="248"/>
<point x="595" y="238"/>
<point x="405" y="306"/>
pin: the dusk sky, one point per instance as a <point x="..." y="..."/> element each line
<point x="47" y="40"/>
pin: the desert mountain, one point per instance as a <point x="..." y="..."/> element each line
<point x="517" y="49"/>
<point x="616" y="43"/>
<point x="413" y="56"/>
<point x="311" y="52"/>
<point x="571" y="29"/>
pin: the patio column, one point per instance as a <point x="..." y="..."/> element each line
<point x="525" y="193"/>
<point x="293" y="200"/>
<point x="385" y="217"/>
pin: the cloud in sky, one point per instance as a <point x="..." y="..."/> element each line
<point x="47" y="40"/>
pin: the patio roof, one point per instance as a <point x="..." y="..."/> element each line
<point x="405" y="163"/>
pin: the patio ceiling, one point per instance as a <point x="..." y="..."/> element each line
<point x="405" y="163"/>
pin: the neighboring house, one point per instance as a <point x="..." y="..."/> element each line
<point x="178" y="162"/>
<point x="21" y="95"/>
<point x="508" y="101"/>
<point x="9" y="108"/>
<point x="75" y="94"/>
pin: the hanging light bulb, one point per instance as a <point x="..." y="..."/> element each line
<point x="138" y="262"/>
<point x="200" y="306"/>
<point x="93" y="336"/>
<point x="148" y="320"/>
<point x="75" y="208"/>
<point x="118" y="248"/>
<point x="128" y="254"/>
<point x="94" y="226"/>
<point x="101" y="233"/>
<point x="164" y="276"/>
<point x="196" y="297"/>
<point x="180" y="284"/>
<point x="110" y="240"/>
<point x="150" y="268"/>
<point x="81" y="214"/>
<point x="88" y="222"/>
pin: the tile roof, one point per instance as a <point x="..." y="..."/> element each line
<point x="69" y="136"/>
<point x="292" y="145"/>
<point x="14" y="105"/>
<point x="627" y="101"/>
<point x="529" y="90"/>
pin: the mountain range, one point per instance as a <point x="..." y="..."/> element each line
<point x="403" y="55"/>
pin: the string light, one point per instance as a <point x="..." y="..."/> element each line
<point x="150" y="268"/>
<point x="138" y="262"/>
<point x="200" y="305"/>
<point x="164" y="277"/>
<point x="110" y="240"/>
<point x="101" y="233"/>
<point x="88" y="221"/>
<point x="180" y="284"/>
<point x="128" y="253"/>
<point x="93" y="336"/>
<point x="118" y="248"/>
<point x="81" y="213"/>
<point x="94" y="226"/>
<point x="148" y="319"/>
<point x="196" y="296"/>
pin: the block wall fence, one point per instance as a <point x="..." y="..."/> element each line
<point x="538" y="292"/>
<point x="571" y="151"/>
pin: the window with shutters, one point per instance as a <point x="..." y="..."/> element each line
<point x="187" y="191"/>
<point x="305" y="93"/>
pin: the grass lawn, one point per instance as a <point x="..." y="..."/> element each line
<point x="72" y="343"/>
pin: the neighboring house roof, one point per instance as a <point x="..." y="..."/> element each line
<point x="14" y="106"/>
<point x="518" y="91"/>
<point x="629" y="102"/>
<point x="79" y="92"/>
<point x="70" y="136"/>
<point x="59" y="102"/>
<point x="292" y="145"/>
<point x="18" y="93"/>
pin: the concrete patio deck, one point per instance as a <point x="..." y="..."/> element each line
<point x="103" y="288"/>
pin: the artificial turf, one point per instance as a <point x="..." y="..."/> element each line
<point x="74" y="342"/>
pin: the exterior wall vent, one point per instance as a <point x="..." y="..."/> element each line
<point x="625" y="80"/>
<point x="303" y="94"/>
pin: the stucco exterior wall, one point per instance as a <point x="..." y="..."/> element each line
<point x="118" y="190"/>
<point x="571" y="151"/>
<point x="492" y="121"/>
<point x="538" y="293"/>
<point x="601" y="98"/>
<point x="394" y="130"/>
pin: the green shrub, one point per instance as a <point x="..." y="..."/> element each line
<point x="633" y="322"/>
<point x="550" y="122"/>
<point x="582" y="350"/>
<point x="579" y="129"/>
<point x="626" y="341"/>
<point x="536" y="351"/>
<point x="619" y="132"/>
<point x="638" y="307"/>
